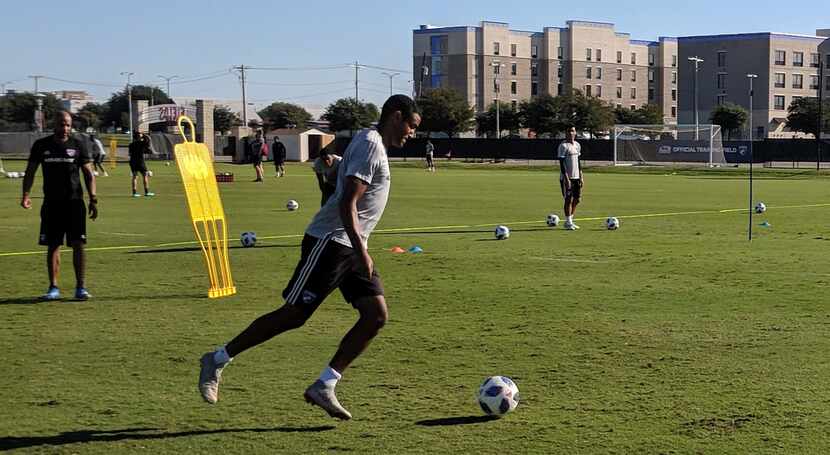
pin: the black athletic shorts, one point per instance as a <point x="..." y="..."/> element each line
<point x="138" y="167"/>
<point x="324" y="266"/>
<point x="62" y="220"/>
<point x="576" y="188"/>
<point x="256" y="161"/>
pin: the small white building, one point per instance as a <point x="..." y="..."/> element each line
<point x="301" y="144"/>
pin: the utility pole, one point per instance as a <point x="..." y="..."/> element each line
<point x="390" y="76"/>
<point x="36" y="78"/>
<point x="241" y="69"/>
<point x="356" y="92"/>
<point x="751" y="77"/>
<point x="168" y="79"/>
<point x="697" y="61"/>
<point x="129" y="75"/>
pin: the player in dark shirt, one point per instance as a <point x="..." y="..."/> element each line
<point x="279" y="156"/>
<point x="139" y="147"/>
<point x="63" y="213"/>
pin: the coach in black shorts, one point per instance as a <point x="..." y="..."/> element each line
<point x="63" y="214"/>
<point x="139" y="147"/>
<point x="334" y="255"/>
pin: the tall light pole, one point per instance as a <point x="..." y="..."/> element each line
<point x="496" y="72"/>
<point x="390" y="76"/>
<point x="36" y="78"/>
<point x="39" y="112"/>
<point x="129" y="75"/>
<point x="697" y="61"/>
<point x="751" y="77"/>
<point x="168" y="79"/>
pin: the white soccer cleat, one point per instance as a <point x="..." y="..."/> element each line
<point x="571" y="227"/>
<point x="209" y="378"/>
<point x="320" y="395"/>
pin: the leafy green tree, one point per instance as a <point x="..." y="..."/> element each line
<point x="509" y="119"/>
<point x="224" y="119"/>
<point x="17" y="111"/>
<point x="445" y="110"/>
<point x="731" y="117"/>
<point x="802" y="115"/>
<point x="284" y="115"/>
<point x="90" y="116"/>
<point x="350" y="114"/>
<point x="541" y="114"/>
<point x="647" y="114"/>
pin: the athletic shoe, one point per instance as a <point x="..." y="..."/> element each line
<point x="106" y="174"/>
<point x="320" y="395"/>
<point x="570" y="227"/>
<point x="82" y="294"/>
<point x="209" y="378"/>
<point x="575" y="226"/>
<point x="52" y="294"/>
<point x="136" y="195"/>
<point x="149" y="194"/>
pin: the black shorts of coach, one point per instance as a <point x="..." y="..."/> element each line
<point x="576" y="189"/>
<point x="138" y="167"/>
<point x="325" y="265"/>
<point x="62" y="220"/>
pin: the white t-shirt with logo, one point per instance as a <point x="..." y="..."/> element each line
<point x="570" y="153"/>
<point x="364" y="158"/>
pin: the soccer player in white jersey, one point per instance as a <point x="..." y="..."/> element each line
<point x="571" y="179"/>
<point x="334" y="255"/>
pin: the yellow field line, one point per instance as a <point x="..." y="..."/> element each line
<point x="431" y="228"/>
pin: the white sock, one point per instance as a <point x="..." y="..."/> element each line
<point x="569" y="219"/>
<point x="330" y="376"/>
<point x="221" y="356"/>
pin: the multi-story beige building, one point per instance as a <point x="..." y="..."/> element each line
<point x="787" y="66"/>
<point x="491" y="60"/>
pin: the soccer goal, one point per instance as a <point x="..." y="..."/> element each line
<point x="668" y="144"/>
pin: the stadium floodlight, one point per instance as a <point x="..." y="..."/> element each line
<point x="751" y="78"/>
<point x="496" y="73"/>
<point x="206" y="212"/>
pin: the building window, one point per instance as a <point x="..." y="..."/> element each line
<point x="619" y="74"/>
<point x="512" y="50"/>
<point x="674" y="111"/>
<point x="633" y="75"/>
<point x="588" y="72"/>
<point x="559" y="71"/>
<point x="496" y="68"/>
<point x="438" y="44"/>
<point x="633" y="107"/>
<point x="780" y="80"/>
<point x="599" y="72"/>
<point x="512" y="87"/>
<point x="587" y="90"/>
<point x="674" y="77"/>
<point x="779" y="102"/>
<point x="534" y="51"/>
<point x="619" y="56"/>
<point x="559" y="53"/>
<point x="437" y="66"/>
<point x="633" y="93"/>
<point x="650" y="93"/>
<point x="650" y="59"/>
<point x="798" y="81"/>
<point x="759" y="132"/>
<point x="674" y="61"/>
<point x="534" y="88"/>
<point x="813" y="82"/>
<point x="619" y="92"/>
<point x="633" y="58"/>
<point x="534" y="69"/>
<point x="588" y="54"/>
<point x="558" y="89"/>
<point x="827" y="61"/>
<point x="496" y="48"/>
<point x="513" y="104"/>
<point x="599" y="91"/>
<point x="674" y="95"/>
<point x="722" y="81"/>
<point x="720" y="99"/>
<point x="651" y="75"/>
<point x="814" y="60"/>
<point x="721" y="59"/>
<point x="780" y="57"/>
<point x="599" y="55"/>
<point x="798" y="58"/>
<point x="512" y="69"/>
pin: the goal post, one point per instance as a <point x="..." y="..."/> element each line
<point x="668" y="144"/>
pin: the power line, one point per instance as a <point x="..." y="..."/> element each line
<point x="297" y="84"/>
<point x="300" y="68"/>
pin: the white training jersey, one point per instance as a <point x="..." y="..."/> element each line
<point x="570" y="153"/>
<point x="364" y="158"/>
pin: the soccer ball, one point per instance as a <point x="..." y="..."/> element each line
<point x="248" y="239"/>
<point x="149" y="173"/>
<point x="502" y="232"/>
<point x="760" y="207"/>
<point x="292" y="205"/>
<point x="553" y="220"/>
<point x="498" y="395"/>
<point x="612" y="223"/>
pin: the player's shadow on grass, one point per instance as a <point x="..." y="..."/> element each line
<point x="135" y="434"/>
<point x="196" y="248"/>
<point x="449" y="421"/>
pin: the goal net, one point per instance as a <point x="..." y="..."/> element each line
<point x="668" y="144"/>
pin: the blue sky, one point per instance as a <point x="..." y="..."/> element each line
<point x="93" y="41"/>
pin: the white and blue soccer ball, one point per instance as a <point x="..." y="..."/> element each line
<point x="292" y="205"/>
<point x="248" y="239"/>
<point x="149" y="173"/>
<point x="612" y="223"/>
<point x="552" y="220"/>
<point x="498" y="395"/>
<point x="760" y="207"/>
<point x="502" y="233"/>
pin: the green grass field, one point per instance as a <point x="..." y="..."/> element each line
<point x="673" y="334"/>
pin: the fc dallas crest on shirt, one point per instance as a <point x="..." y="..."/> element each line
<point x="71" y="152"/>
